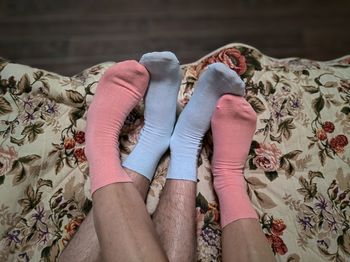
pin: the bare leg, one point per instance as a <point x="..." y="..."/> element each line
<point x="85" y="246"/>
<point x="175" y="220"/>
<point x="174" y="217"/>
<point x="250" y="234"/>
<point x="123" y="225"/>
<point x="140" y="182"/>
<point x="233" y="126"/>
<point x="128" y="80"/>
<point x="177" y="232"/>
<point x="124" y="228"/>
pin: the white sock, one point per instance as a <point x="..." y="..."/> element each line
<point x="160" y="112"/>
<point x="194" y="121"/>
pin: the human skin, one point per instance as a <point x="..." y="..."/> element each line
<point x="250" y="246"/>
<point x="174" y="217"/>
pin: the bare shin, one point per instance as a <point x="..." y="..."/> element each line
<point x="84" y="246"/>
<point x="175" y="221"/>
<point x="244" y="241"/>
<point x="124" y="228"/>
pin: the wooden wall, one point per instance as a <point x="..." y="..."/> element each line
<point x="68" y="36"/>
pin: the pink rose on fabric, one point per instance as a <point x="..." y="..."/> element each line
<point x="267" y="157"/>
<point x="321" y="134"/>
<point x="80" y="155"/>
<point x="277" y="244"/>
<point x="231" y="57"/>
<point x="69" y="143"/>
<point x="278" y="226"/>
<point x="328" y="126"/>
<point x="72" y="227"/>
<point x="79" y="137"/>
<point x="6" y="159"/>
<point x="338" y="143"/>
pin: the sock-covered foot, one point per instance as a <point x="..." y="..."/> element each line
<point x="118" y="92"/>
<point x="233" y="125"/>
<point x="194" y="120"/>
<point x="160" y="112"/>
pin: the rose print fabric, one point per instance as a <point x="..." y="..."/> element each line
<point x="298" y="169"/>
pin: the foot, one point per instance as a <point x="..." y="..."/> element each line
<point x="119" y="90"/>
<point x="194" y="120"/>
<point x="160" y="112"/>
<point x="233" y="125"/>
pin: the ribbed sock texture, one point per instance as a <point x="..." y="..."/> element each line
<point x="160" y="112"/>
<point x="194" y="121"/>
<point x="233" y="125"/>
<point x="118" y="92"/>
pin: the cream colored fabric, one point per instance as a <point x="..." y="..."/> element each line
<point x="297" y="171"/>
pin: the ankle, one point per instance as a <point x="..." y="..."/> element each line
<point x="183" y="159"/>
<point x="234" y="202"/>
<point x="229" y="179"/>
<point x="162" y="144"/>
<point x="179" y="145"/>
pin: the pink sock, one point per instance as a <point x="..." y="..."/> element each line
<point x="119" y="90"/>
<point x="233" y="125"/>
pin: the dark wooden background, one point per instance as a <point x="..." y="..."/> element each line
<point x="68" y="36"/>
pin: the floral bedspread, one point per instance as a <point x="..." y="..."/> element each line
<point x="298" y="170"/>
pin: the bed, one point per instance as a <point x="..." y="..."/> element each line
<point x="298" y="169"/>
